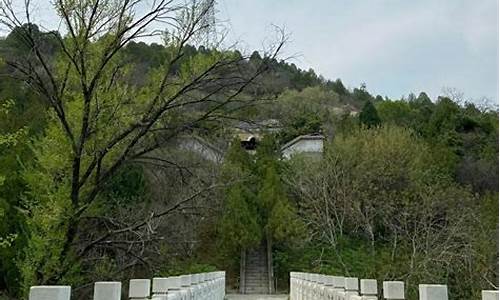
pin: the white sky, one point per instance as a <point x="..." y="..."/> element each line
<point x="394" y="46"/>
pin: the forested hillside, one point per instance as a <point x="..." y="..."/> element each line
<point x="93" y="186"/>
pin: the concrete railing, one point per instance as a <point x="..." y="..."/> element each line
<point x="310" y="286"/>
<point x="203" y="286"/>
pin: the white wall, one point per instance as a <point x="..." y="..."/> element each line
<point x="308" y="146"/>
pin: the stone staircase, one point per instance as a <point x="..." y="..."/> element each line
<point x="256" y="273"/>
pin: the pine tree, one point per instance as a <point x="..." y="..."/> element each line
<point x="239" y="227"/>
<point x="368" y="116"/>
<point x="281" y="221"/>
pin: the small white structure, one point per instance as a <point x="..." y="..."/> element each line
<point x="196" y="144"/>
<point x="107" y="290"/>
<point x="309" y="144"/>
<point x="50" y="292"/>
<point x="489" y="295"/>
<point x="433" y="292"/>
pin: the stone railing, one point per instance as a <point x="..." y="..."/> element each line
<point x="310" y="286"/>
<point x="203" y="286"/>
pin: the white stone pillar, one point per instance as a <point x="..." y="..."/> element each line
<point x="338" y="287"/>
<point x="160" y="288"/>
<point x="318" y="284"/>
<point x="198" y="286"/>
<point x="210" y="285"/>
<point x="369" y="289"/>
<point x="223" y="284"/>
<point x="489" y="295"/>
<point x="305" y="286"/>
<point x="174" y="288"/>
<point x="292" y="286"/>
<point x="139" y="289"/>
<point x="310" y="286"/>
<point x="433" y="292"/>
<point x="351" y="286"/>
<point x="302" y="286"/>
<point x="328" y="285"/>
<point x="394" y="290"/>
<point x="186" y="286"/>
<point x="45" y="292"/>
<point x="325" y="286"/>
<point x="220" y="285"/>
<point x="107" y="290"/>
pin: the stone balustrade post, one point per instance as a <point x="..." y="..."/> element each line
<point x="368" y="289"/>
<point x="394" y="290"/>
<point x="328" y="285"/>
<point x="160" y="288"/>
<point x="298" y="285"/>
<point x="139" y="289"/>
<point x="42" y="292"/>
<point x="186" y="286"/>
<point x="203" y="286"/>
<point x="351" y="287"/>
<point x="318" y="284"/>
<point x="292" y="286"/>
<point x="310" y="286"/>
<point x="107" y="290"/>
<point x="221" y="287"/>
<point x="199" y="287"/>
<point x="433" y="292"/>
<point x="489" y="295"/>
<point x="223" y="283"/>
<point x="307" y="284"/>
<point x="338" y="287"/>
<point x="174" y="288"/>
<point x="211" y="286"/>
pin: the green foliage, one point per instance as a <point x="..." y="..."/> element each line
<point x="395" y="112"/>
<point x="381" y="204"/>
<point x="258" y="206"/>
<point x="303" y="112"/>
<point x="12" y="226"/>
<point x="369" y="116"/>
<point x="466" y="137"/>
<point x="126" y="187"/>
<point x="396" y="198"/>
<point x="239" y="227"/>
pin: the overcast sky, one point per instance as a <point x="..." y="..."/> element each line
<point x="394" y="46"/>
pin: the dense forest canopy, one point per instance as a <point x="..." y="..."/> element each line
<point x="407" y="188"/>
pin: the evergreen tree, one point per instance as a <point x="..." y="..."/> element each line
<point x="239" y="227"/>
<point x="281" y="222"/>
<point x="368" y="116"/>
<point x="338" y="87"/>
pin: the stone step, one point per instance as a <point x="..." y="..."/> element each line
<point x="257" y="291"/>
<point x="256" y="275"/>
<point x="256" y="280"/>
<point x="256" y="283"/>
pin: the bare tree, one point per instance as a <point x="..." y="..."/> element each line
<point x="107" y="122"/>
